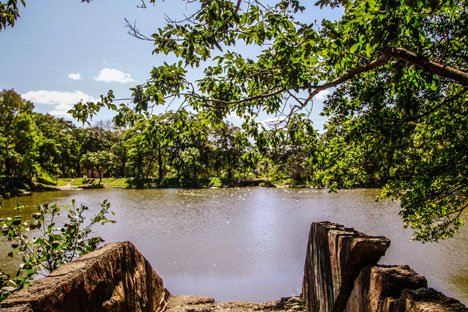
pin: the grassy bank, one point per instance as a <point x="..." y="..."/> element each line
<point x="18" y="189"/>
<point x="164" y="183"/>
<point x="106" y="182"/>
<point x="12" y="187"/>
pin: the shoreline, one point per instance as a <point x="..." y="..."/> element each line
<point x="74" y="184"/>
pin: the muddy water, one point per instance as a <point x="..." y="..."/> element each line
<point x="250" y="243"/>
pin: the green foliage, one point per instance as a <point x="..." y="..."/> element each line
<point x="49" y="239"/>
<point x="59" y="146"/>
<point x="9" y="12"/>
<point x="416" y="151"/>
<point x="215" y="182"/>
<point x="399" y="69"/>
<point x="179" y="148"/>
<point x="84" y="112"/>
<point x="115" y="182"/>
<point x="19" y="137"/>
<point x="35" y="147"/>
<point x="396" y="115"/>
<point x="77" y="181"/>
<point x="102" y="161"/>
<point x="4" y="291"/>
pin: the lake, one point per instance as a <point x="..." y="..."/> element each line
<point x="250" y="243"/>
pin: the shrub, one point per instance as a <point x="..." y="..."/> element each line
<point x="44" y="243"/>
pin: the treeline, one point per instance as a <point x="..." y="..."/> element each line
<point x="41" y="147"/>
<point x="181" y="146"/>
<point x="176" y="145"/>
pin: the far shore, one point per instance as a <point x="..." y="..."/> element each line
<point x="71" y="184"/>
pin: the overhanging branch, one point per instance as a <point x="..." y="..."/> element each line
<point x="241" y="101"/>
<point x="399" y="53"/>
<point x="349" y="75"/>
<point x="436" y="68"/>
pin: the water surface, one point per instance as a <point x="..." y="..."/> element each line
<point x="250" y="243"/>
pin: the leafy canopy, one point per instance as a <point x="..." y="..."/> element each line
<point x="396" y="115"/>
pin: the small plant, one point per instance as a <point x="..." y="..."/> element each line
<point x="45" y="242"/>
<point x="4" y="291"/>
<point x="215" y="182"/>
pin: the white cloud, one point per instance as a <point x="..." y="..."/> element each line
<point x="62" y="102"/>
<point x="113" y="75"/>
<point x="75" y="76"/>
<point x="322" y="95"/>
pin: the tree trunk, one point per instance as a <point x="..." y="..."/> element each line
<point x="100" y="175"/>
<point x="160" y="164"/>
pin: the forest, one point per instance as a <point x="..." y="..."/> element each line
<point x="181" y="148"/>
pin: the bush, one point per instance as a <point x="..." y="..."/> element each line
<point x="215" y="182"/>
<point x="44" y="245"/>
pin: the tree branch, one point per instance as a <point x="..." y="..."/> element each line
<point x="383" y="59"/>
<point x="237" y="6"/>
<point x="437" y="68"/>
<point x="248" y="99"/>
<point x="135" y="32"/>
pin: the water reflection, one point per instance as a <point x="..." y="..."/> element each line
<point x="249" y="243"/>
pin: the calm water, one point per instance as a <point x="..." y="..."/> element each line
<point x="250" y="243"/>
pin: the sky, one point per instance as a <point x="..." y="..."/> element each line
<point x="62" y="51"/>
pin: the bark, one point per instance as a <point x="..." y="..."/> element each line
<point x="433" y="67"/>
<point x="160" y="164"/>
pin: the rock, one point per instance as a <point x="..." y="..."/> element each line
<point x="20" y="308"/>
<point x="334" y="259"/>
<point x="114" y="278"/>
<point x="429" y="300"/>
<point x="207" y="304"/>
<point x="378" y="287"/>
<point x="189" y="303"/>
<point x="340" y="275"/>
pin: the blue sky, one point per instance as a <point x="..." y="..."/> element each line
<point x="61" y="51"/>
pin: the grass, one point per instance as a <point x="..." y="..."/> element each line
<point x="107" y="182"/>
<point x="77" y="181"/>
<point x="65" y="181"/>
<point x="114" y="182"/>
<point x="62" y="182"/>
<point x="156" y="183"/>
